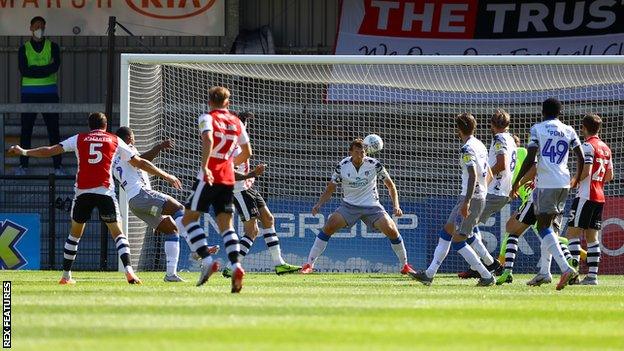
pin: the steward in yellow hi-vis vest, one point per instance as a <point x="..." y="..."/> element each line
<point x="39" y="62"/>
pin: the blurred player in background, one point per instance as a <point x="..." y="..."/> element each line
<point x="586" y="211"/>
<point x="95" y="188"/>
<point x="550" y="143"/>
<point x="476" y="175"/>
<point x="358" y="175"/>
<point x="251" y="207"/>
<point x="221" y="131"/>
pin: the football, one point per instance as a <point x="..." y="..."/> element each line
<point x="373" y="144"/>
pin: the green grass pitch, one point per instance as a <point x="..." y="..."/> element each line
<point x="317" y="312"/>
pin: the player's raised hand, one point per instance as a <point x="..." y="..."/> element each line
<point x="398" y="212"/>
<point x="15" y="150"/>
<point x="208" y="177"/>
<point x="174" y="181"/>
<point x="316" y="209"/>
<point x="464" y="210"/>
<point x="167" y="144"/>
<point x="259" y="170"/>
<point x="514" y="191"/>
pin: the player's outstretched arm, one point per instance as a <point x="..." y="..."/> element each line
<point x="327" y="194"/>
<point x="40" y="152"/>
<point x="258" y="171"/>
<point x="152" y="153"/>
<point x="150" y="168"/>
<point x="244" y="155"/>
<point x="580" y="158"/>
<point x="394" y="196"/>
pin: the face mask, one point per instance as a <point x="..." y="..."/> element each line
<point x="38" y="33"/>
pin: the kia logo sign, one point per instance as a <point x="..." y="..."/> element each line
<point x="170" y="9"/>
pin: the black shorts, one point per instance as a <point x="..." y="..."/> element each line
<point x="219" y="196"/>
<point x="84" y="204"/>
<point x="586" y="214"/>
<point x="247" y="203"/>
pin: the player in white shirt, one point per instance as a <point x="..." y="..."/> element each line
<point x="156" y="209"/>
<point x="476" y="175"/>
<point x="358" y="175"/>
<point x="550" y="142"/>
<point x="502" y="161"/>
<point x="252" y="208"/>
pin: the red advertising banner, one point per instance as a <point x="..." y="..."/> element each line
<point x="479" y="27"/>
<point x="612" y="237"/>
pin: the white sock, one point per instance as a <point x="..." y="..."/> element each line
<point x="552" y="245"/>
<point x="545" y="260"/>
<point x="172" y="251"/>
<point x="473" y="260"/>
<point x="399" y="249"/>
<point x="207" y="261"/>
<point x="480" y="249"/>
<point x="440" y="253"/>
<point x="272" y="242"/>
<point x="320" y="243"/>
<point x="182" y="231"/>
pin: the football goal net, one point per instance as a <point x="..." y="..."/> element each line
<point x="309" y="108"/>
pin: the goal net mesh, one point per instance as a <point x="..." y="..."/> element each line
<point x="307" y="114"/>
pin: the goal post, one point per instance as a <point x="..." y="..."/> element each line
<point x="308" y="109"/>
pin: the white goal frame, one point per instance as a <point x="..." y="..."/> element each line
<point x="127" y="59"/>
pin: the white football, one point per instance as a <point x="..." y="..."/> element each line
<point x="373" y="144"/>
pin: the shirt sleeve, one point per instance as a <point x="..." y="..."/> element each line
<point x="468" y="156"/>
<point x="336" y="177"/>
<point x="588" y="150"/>
<point x="243" y="137"/>
<point x="574" y="139"/>
<point x="382" y="173"/>
<point x="500" y="146"/>
<point x="533" y="139"/>
<point x="70" y="144"/>
<point x="124" y="151"/>
<point x="205" y="123"/>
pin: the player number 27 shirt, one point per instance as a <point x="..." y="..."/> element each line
<point x="227" y="132"/>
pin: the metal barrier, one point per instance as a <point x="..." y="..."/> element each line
<point x="51" y="197"/>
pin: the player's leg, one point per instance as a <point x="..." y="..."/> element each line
<point x="515" y="226"/>
<point x="81" y="209"/>
<point x="336" y="221"/>
<point x="386" y="225"/>
<point x="593" y="244"/>
<point x="445" y="237"/>
<point x="493" y="204"/>
<point x="197" y="203"/>
<point x="466" y="251"/>
<point x="251" y="232"/>
<point x="267" y="230"/>
<point x="109" y="214"/>
<point x="549" y="203"/>
<point x="247" y="210"/>
<point x="223" y="204"/>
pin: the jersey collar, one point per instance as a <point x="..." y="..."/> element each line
<point x="592" y="137"/>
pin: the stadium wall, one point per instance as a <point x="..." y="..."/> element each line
<point x="298" y="26"/>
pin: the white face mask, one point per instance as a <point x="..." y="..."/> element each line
<point x="38" y="33"/>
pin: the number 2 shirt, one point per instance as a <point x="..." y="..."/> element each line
<point x="227" y="132"/>
<point x="95" y="152"/>
<point x="554" y="140"/>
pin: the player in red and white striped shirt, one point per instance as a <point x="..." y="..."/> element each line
<point x="586" y="210"/>
<point x="221" y="131"/>
<point x="94" y="186"/>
